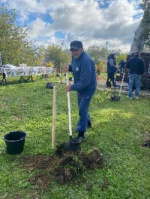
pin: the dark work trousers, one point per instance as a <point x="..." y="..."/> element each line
<point x="84" y="98"/>
<point x="111" y="77"/>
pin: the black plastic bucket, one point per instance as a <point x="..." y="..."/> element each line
<point x="15" y="141"/>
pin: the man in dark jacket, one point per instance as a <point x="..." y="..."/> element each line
<point x="111" y="69"/>
<point x="84" y="73"/>
<point x="136" y="69"/>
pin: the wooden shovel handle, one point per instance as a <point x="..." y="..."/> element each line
<point x="54" y="117"/>
<point x="121" y="84"/>
<point x="69" y="105"/>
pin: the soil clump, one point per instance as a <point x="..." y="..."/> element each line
<point x="62" y="167"/>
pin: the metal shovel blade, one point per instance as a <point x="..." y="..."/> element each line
<point x="70" y="146"/>
<point x="115" y="98"/>
<point x="66" y="147"/>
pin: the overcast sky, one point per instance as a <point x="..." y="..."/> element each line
<point x="92" y="21"/>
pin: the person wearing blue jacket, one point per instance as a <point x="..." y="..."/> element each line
<point x="111" y="69"/>
<point x="136" y="68"/>
<point x="122" y="65"/>
<point x="84" y="73"/>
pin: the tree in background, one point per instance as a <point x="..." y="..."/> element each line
<point x="41" y="60"/>
<point x="142" y="34"/>
<point x="101" y="67"/>
<point x="58" y="56"/>
<point x="97" y="53"/>
<point x="146" y="24"/>
<point x="100" y="54"/>
<point x="120" y="57"/>
<point x="14" y="47"/>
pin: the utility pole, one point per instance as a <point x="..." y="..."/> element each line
<point x="62" y="43"/>
<point x="106" y="50"/>
<point x="0" y="59"/>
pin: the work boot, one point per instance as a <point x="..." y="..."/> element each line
<point x="78" y="140"/>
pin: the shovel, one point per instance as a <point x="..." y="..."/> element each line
<point x="69" y="146"/>
<point x="115" y="97"/>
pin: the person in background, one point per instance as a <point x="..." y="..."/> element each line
<point x="111" y="69"/>
<point x="121" y="65"/>
<point x="84" y="73"/>
<point x="136" y="68"/>
<point x="149" y="69"/>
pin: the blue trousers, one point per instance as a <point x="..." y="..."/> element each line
<point x="134" y="79"/>
<point x="84" y="98"/>
<point x="111" y="77"/>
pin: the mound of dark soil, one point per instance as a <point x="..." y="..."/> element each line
<point x="73" y="166"/>
<point x="63" y="169"/>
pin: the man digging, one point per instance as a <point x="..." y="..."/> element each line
<point x="84" y="73"/>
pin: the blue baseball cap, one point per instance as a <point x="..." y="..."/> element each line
<point x="76" y="45"/>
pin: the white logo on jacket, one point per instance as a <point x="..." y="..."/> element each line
<point x="77" y="69"/>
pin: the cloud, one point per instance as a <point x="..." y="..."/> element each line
<point x="93" y="22"/>
<point x="86" y="20"/>
<point x="40" y="28"/>
<point x="28" y="6"/>
<point x="4" y="1"/>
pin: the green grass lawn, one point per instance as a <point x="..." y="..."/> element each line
<point x="118" y="131"/>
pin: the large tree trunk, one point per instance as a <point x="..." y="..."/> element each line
<point x="139" y="40"/>
<point x="142" y="33"/>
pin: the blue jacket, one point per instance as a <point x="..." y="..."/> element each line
<point x="84" y="73"/>
<point x="111" y="64"/>
<point x="122" y="64"/>
<point x="136" y="65"/>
